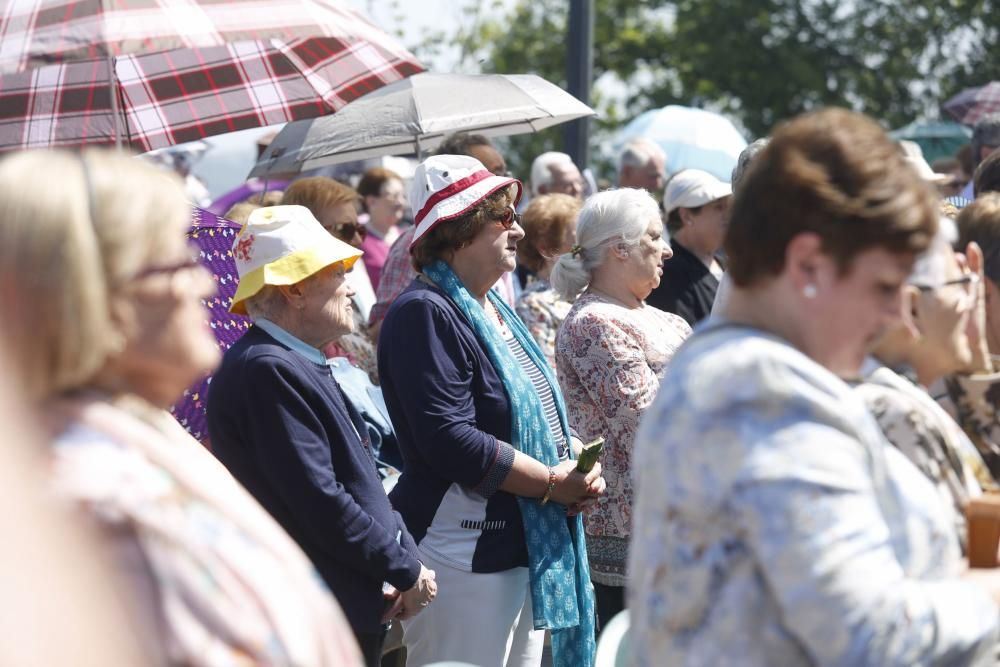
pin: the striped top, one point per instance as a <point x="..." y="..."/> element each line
<point x="543" y="390"/>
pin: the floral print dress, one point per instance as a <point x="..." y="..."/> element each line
<point x="609" y="361"/>
<point x="543" y="310"/>
<point x="775" y="526"/>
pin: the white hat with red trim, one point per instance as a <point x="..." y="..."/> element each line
<point x="445" y="187"/>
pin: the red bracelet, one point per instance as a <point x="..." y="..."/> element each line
<point x="552" y="486"/>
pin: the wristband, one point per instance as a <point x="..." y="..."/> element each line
<point x="552" y="486"/>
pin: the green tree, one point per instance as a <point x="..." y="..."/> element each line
<point x="758" y="61"/>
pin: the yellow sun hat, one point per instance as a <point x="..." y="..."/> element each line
<point x="282" y="245"/>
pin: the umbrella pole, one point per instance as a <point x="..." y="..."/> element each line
<point x="115" y="110"/>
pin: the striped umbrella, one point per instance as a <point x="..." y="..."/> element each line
<point x="151" y="73"/>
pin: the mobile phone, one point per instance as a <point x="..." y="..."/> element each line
<point x="589" y="456"/>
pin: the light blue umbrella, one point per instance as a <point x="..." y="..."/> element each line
<point x="691" y="138"/>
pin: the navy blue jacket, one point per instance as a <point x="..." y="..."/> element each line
<point x="453" y="424"/>
<point x="279" y="422"/>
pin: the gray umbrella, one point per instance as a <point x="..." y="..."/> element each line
<point x="416" y="114"/>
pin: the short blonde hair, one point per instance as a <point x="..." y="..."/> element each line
<point x="67" y="251"/>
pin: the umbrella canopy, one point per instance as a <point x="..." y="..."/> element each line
<point x="691" y="138"/>
<point x="416" y="114"/>
<point x="151" y="74"/>
<point x="936" y="139"/>
<point x="212" y="236"/>
<point x="973" y="103"/>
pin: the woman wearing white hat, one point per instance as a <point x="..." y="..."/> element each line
<point x="487" y="483"/>
<point x="697" y="206"/>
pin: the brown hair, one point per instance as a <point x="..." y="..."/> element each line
<point x="373" y="180"/>
<point x="317" y="193"/>
<point x="980" y="222"/>
<point x="545" y="222"/>
<point x="450" y="235"/>
<point x="674" y="222"/>
<point x="987" y="177"/>
<point x="834" y="173"/>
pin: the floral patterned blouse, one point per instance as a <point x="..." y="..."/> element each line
<point x="542" y="310"/>
<point x="913" y="423"/>
<point x="775" y="526"/>
<point x="212" y="579"/>
<point x="974" y="402"/>
<point x="609" y="361"/>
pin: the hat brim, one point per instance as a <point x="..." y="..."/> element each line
<point x="462" y="202"/>
<point x="289" y="270"/>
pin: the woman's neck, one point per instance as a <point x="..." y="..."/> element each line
<point x="691" y="244"/>
<point x="614" y="288"/>
<point x="473" y="277"/>
<point x="382" y="228"/>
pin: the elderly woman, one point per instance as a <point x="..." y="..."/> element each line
<point x="487" y="483"/>
<point x="384" y="200"/>
<point x="773" y="525"/>
<point x="549" y="231"/>
<point x="931" y="341"/>
<point x="211" y="579"/>
<point x="611" y="352"/>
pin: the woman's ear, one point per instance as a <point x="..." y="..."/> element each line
<point x="294" y="295"/>
<point x="686" y="215"/>
<point x="621" y="250"/>
<point x="911" y="310"/>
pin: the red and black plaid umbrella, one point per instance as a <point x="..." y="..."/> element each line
<point x="973" y="103"/>
<point x="156" y="73"/>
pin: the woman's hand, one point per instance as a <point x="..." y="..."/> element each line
<point x="418" y="597"/>
<point x="574" y="489"/>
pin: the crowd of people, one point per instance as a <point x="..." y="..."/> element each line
<point x="793" y="374"/>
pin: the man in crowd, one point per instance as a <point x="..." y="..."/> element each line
<point x="555" y="172"/>
<point x="697" y="207"/>
<point x="281" y="424"/>
<point x="642" y="164"/>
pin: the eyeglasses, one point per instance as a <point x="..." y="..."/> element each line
<point x="968" y="281"/>
<point x="345" y="231"/>
<point x="171" y="271"/>
<point x="509" y="217"/>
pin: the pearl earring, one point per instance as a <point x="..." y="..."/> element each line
<point x="809" y="291"/>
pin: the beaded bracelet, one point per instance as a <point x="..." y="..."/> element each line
<point x="552" y="486"/>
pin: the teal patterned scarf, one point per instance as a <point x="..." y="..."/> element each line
<point x="561" y="592"/>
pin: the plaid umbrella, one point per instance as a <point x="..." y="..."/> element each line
<point x="213" y="237"/>
<point x="973" y="103"/>
<point x="154" y="73"/>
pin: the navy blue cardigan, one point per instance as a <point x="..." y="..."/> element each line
<point x="279" y="423"/>
<point x="453" y="424"/>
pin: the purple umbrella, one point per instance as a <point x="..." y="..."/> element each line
<point x="973" y="103"/>
<point x="213" y="237"/>
<point x="254" y="186"/>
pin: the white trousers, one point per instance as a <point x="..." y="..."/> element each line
<point x="481" y="619"/>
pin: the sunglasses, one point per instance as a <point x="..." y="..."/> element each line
<point x="345" y="231"/>
<point x="509" y="217"/>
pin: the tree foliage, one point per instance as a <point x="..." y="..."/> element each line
<point x="758" y="61"/>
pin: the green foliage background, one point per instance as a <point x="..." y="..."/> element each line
<point x="757" y="61"/>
